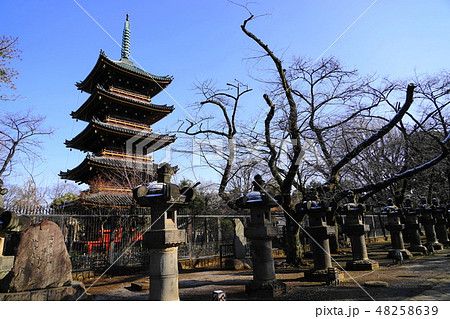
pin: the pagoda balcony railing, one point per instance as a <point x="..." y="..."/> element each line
<point x="120" y="155"/>
<point x="128" y="123"/>
<point x="129" y="94"/>
<point x="113" y="189"/>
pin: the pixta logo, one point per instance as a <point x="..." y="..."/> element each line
<point x="139" y="146"/>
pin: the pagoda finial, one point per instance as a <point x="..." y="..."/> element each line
<point x="125" y="52"/>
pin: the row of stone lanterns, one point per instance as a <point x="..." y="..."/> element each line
<point x="164" y="238"/>
<point x="409" y="220"/>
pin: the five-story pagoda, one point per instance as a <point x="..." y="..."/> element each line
<point x="119" y="137"/>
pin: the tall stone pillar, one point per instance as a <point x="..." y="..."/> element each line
<point x="428" y="221"/>
<point x="441" y="222"/>
<point x="355" y="228"/>
<point x="3" y="191"/>
<point x="412" y="227"/>
<point x="260" y="231"/>
<point x="395" y="227"/>
<point x="164" y="237"/>
<point x="239" y="241"/>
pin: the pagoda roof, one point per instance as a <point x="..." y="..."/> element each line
<point x="103" y="199"/>
<point x="90" y="109"/>
<point x="125" y="67"/>
<point x="87" y="169"/>
<point x="90" y="140"/>
<point x="89" y="202"/>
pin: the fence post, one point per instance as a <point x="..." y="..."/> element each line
<point x="219" y="231"/>
<point x="189" y="229"/>
<point x="205" y="231"/>
<point x="111" y="240"/>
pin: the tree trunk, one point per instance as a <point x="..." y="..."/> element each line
<point x="293" y="246"/>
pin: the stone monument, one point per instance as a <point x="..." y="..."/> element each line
<point x="34" y="263"/>
<point x="439" y="215"/>
<point x="260" y="231"/>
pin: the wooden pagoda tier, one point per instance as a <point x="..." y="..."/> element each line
<point x="111" y="168"/>
<point x="120" y="104"/>
<point x="117" y="138"/>
<point x="123" y="74"/>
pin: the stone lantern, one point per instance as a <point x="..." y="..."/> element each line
<point x="439" y="215"/>
<point x="355" y="228"/>
<point x="261" y="231"/>
<point x="428" y="221"/>
<point x="319" y="234"/>
<point x="412" y="227"/>
<point x="395" y="227"/>
<point x="164" y="237"/>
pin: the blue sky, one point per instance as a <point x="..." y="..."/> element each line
<point x="199" y="40"/>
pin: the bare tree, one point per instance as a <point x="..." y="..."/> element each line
<point x="227" y="101"/>
<point x="20" y="135"/>
<point x="316" y="100"/>
<point x="425" y="137"/>
<point x="62" y="192"/>
<point x="8" y="52"/>
<point x="28" y="197"/>
<point x="19" y="132"/>
<point x="322" y="104"/>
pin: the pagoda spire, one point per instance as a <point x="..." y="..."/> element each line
<point x="125" y="52"/>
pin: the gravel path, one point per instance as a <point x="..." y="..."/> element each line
<point x="422" y="278"/>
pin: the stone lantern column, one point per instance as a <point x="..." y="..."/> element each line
<point x="428" y="222"/>
<point x="162" y="241"/>
<point x="355" y="228"/>
<point x="412" y="227"/>
<point x="441" y="222"/>
<point x="164" y="237"/>
<point x="260" y="231"/>
<point x="319" y="233"/>
<point x="395" y="227"/>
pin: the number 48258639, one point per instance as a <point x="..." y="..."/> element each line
<point x="407" y="310"/>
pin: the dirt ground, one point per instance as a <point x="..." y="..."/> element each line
<point x="412" y="278"/>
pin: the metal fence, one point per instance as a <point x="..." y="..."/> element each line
<point x="97" y="241"/>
